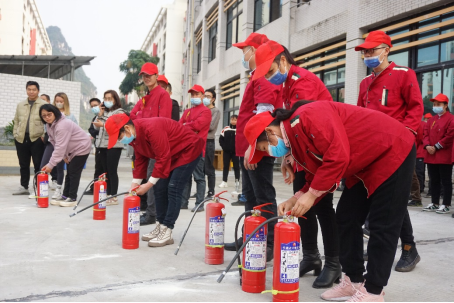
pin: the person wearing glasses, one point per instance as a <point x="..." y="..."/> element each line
<point x="71" y="144"/>
<point x="156" y="103"/>
<point x="393" y="90"/>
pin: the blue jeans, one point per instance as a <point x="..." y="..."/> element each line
<point x="199" y="178"/>
<point x="168" y="193"/>
<point x="258" y="189"/>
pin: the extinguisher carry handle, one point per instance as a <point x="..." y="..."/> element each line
<point x="134" y="190"/>
<point x="218" y="195"/>
<point x="289" y="213"/>
<point x="223" y="199"/>
<point x="260" y="208"/>
<point x="102" y="176"/>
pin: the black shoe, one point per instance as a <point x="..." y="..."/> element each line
<point x="237" y="203"/>
<point x="452" y="216"/>
<point x="198" y="210"/>
<point x="185" y="206"/>
<point x="428" y="195"/>
<point x="366" y="233"/>
<point x="194" y="196"/>
<point x="311" y="261"/>
<point x="231" y="246"/>
<point x="408" y="259"/>
<point x="365" y="256"/>
<point x="269" y="254"/>
<point x="89" y="192"/>
<point x="147" y="220"/>
<point x="331" y="273"/>
<point x="209" y="197"/>
<point x="415" y="203"/>
<point x="340" y="188"/>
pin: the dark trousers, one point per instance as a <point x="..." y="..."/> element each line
<point x="441" y="174"/>
<point x="151" y="204"/>
<point x="27" y="151"/>
<point x="169" y="193"/>
<point x="59" y="169"/>
<point x="258" y="189"/>
<point x="421" y="173"/>
<point x="324" y="211"/>
<point x="98" y="166"/>
<point x="209" y="167"/>
<point x="109" y="161"/>
<point x="73" y="174"/>
<point x="386" y="207"/>
<point x="415" y="191"/>
<point x="226" y="157"/>
<point x="199" y="178"/>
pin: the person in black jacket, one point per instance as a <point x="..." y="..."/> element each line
<point x="97" y="108"/>
<point x="227" y="142"/>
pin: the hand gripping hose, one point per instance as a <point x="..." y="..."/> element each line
<point x="132" y="191"/>
<point x="215" y="198"/>
<point x="101" y="177"/>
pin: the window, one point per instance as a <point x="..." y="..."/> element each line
<point x="163" y="63"/>
<point x="231" y="107"/>
<point x="212" y="41"/>
<point x="266" y="11"/>
<point x="199" y="56"/>
<point x="234" y="22"/>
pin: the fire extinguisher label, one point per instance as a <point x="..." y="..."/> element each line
<point x="44" y="189"/>
<point x="290" y="262"/>
<point x="216" y="236"/>
<point x="134" y="220"/>
<point x="102" y="196"/>
<point x="256" y="251"/>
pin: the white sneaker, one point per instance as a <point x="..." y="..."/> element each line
<point x="32" y="197"/>
<point x="57" y="194"/>
<point x="223" y="184"/>
<point x="112" y="201"/>
<point x="68" y="202"/>
<point x="152" y="234"/>
<point x="21" y="191"/>
<point x="430" y="207"/>
<point x="443" y="209"/>
<point x="53" y="185"/>
<point x="164" y="238"/>
<point x="57" y="201"/>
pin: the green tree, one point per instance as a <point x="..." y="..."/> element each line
<point x="131" y="68"/>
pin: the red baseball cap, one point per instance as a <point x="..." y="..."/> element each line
<point x="197" y="88"/>
<point x="149" y="69"/>
<point x="254" y="40"/>
<point x="374" y="39"/>
<point x="113" y="125"/>
<point x="264" y="57"/>
<point x="255" y="126"/>
<point x="440" y="98"/>
<point x="428" y="116"/>
<point x="163" y="79"/>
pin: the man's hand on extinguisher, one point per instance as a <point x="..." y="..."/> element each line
<point x="303" y="204"/>
<point x="143" y="189"/>
<point x="286" y="206"/>
<point x="46" y="169"/>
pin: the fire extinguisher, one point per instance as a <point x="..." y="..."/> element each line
<point x="254" y="254"/>
<point x="286" y="258"/>
<point x="99" y="193"/>
<point x="42" y="189"/>
<point x="131" y="220"/>
<point x="214" y="231"/>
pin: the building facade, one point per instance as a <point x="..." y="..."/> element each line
<point x="321" y="35"/>
<point x="21" y="30"/>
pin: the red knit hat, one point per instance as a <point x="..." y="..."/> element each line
<point x="255" y="126"/>
<point x="374" y="39"/>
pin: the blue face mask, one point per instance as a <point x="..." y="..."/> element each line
<point x="279" y="150"/>
<point x="108" y="104"/>
<point x="246" y="63"/>
<point x="278" y="78"/>
<point x="437" y="109"/>
<point x="127" y="140"/>
<point x="196" y="101"/>
<point x="373" y="62"/>
<point x="206" y="101"/>
<point x="95" y="110"/>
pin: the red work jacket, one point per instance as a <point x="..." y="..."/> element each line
<point x="302" y="84"/>
<point x="156" y="104"/>
<point x="198" y="119"/>
<point x="395" y="92"/>
<point x="258" y="91"/>
<point x="420" y="150"/>
<point x="332" y="140"/>
<point x="168" y="142"/>
<point x="439" y="129"/>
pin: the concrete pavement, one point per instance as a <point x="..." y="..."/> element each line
<point x="47" y="256"/>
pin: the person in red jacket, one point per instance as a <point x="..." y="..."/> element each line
<point x="394" y="91"/>
<point x="438" y="142"/>
<point x="257" y="180"/>
<point x="198" y="119"/>
<point x="156" y="103"/>
<point x="377" y="162"/>
<point x="423" y="153"/>
<point x="176" y="150"/>
<point x="277" y="65"/>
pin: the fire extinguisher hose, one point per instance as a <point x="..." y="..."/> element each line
<point x="80" y="199"/>
<point x="89" y="206"/>
<point x="236" y="239"/>
<point x="221" y="277"/>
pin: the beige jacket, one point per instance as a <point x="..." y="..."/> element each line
<point x="36" y="127"/>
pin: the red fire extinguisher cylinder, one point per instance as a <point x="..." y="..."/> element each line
<point x="131" y="221"/>
<point x="214" y="231"/>
<point x="99" y="193"/>
<point x="42" y="184"/>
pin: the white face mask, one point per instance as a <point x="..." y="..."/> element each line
<point x="59" y="105"/>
